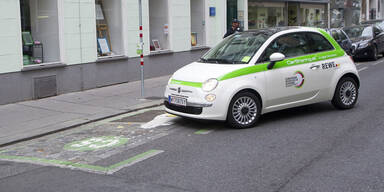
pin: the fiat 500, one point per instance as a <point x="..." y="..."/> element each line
<point x="256" y="72"/>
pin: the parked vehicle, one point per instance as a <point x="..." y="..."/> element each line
<point x="342" y="39"/>
<point x="256" y="72"/>
<point x="378" y="22"/>
<point x="367" y="41"/>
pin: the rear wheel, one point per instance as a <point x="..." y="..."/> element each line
<point x="244" y="110"/>
<point x="346" y="93"/>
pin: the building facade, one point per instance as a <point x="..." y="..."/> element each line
<point x="51" y="47"/>
<point x="256" y="14"/>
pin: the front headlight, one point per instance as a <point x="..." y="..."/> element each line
<point x="210" y="84"/>
<point x="363" y="44"/>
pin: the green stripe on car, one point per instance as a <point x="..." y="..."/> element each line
<point x="187" y="83"/>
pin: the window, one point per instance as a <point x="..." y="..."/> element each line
<point x="40" y="31"/>
<point x="265" y="14"/>
<point x="291" y="45"/>
<point x="296" y="44"/>
<point x="318" y="43"/>
<point x="342" y="36"/>
<point x="158" y="25"/>
<point x="109" y="28"/>
<point x="237" y="49"/>
<point x="197" y="23"/>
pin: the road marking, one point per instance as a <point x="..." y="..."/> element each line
<point x="364" y="68"/>
<point x="203" y="131"/>
<point x="84" y="167"/>
<point x="376" y="63"/>
<point x="95" y="143"/>
<point x="358" y="64"/>
<point x="120" y="127"/>
<point x="160" y="120"/>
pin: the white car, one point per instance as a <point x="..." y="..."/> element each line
<point x="256" y="72"/>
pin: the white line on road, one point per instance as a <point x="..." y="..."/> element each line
<point x="364" y="68"/>
<point x="376" y="63"/>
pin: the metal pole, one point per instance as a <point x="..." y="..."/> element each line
<point x="141" y="47"/>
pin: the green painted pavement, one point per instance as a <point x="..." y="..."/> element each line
<point x="95" y="168"/>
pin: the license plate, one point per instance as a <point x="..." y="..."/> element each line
<point x="177" y="100"/>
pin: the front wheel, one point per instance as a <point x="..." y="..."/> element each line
<point x="346" y="94"/>
<point x="374" y="53"/>
<point x="244" y="110"/>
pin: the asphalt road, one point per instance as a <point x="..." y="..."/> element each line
<point x="313" y="148"/>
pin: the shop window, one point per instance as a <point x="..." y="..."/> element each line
<point x="313" y="15"/>
<point x="109" y="28"/>
<point x="197" y="23"/>
<point x="40" y="31"/>
<point x="158" y="25"/>
<point x="264" y="15"/>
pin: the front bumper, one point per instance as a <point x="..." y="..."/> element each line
<point x="197" y="107"/>
<point x="363" y="53"/>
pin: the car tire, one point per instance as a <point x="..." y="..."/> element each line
<point x="346" y="93"/>
<point x="244" y="110"/>
<point x="374" y="53"/>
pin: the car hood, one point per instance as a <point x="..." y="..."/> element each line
<point x="357" y="40"/>
<point x="200" y="72"/>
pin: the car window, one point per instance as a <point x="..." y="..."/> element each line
<point x="318" y="43"/>
<point x="342" y="36"/>
<point x="335" y="35"/>
<point x="236" y="49"/>
<point x="291" y="45"/>
<point x="376" y="30"/>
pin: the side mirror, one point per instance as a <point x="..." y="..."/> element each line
<point x="275" y="57"/>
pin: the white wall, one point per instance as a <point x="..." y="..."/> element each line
<point x="158" y="16"/>
<point x="10" y="37"/>
<point x="45" y="28"/>
<point x="216" y="25"/>
<point x="198" y="20"/>
<point x="113" y="16"/>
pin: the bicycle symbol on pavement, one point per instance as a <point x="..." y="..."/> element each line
<point x="95" y="143"/>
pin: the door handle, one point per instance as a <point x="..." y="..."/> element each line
<point x="314" y="67"/>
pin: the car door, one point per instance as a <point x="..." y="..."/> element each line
<point x="297" y="79"/>
<point x="379" y="38"/>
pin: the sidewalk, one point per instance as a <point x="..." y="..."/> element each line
<point x="28" y="119"/>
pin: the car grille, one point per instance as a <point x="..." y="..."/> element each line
<point x="182" y="109"/>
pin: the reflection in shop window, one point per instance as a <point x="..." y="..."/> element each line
<point x="158" y="25"/>
<point x="197" y="23"/>
<point x="313" y="15"/>
<point x="346" y="13"/>
<point x="264" y="15"/>
<point x="40" y="31"/>
<point x="109" y="28"/>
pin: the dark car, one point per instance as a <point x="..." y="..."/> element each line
<point x="342" y="39"/>
<point x="378" y="22"/>
<point x="367" y="41"/>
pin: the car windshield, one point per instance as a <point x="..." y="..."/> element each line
<point x="359" y="31"/>
<point x="236" y="49"/>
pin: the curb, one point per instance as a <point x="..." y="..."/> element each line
<point x="150" y="104"/>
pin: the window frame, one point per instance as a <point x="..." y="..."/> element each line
<point x="305" y="32"/>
